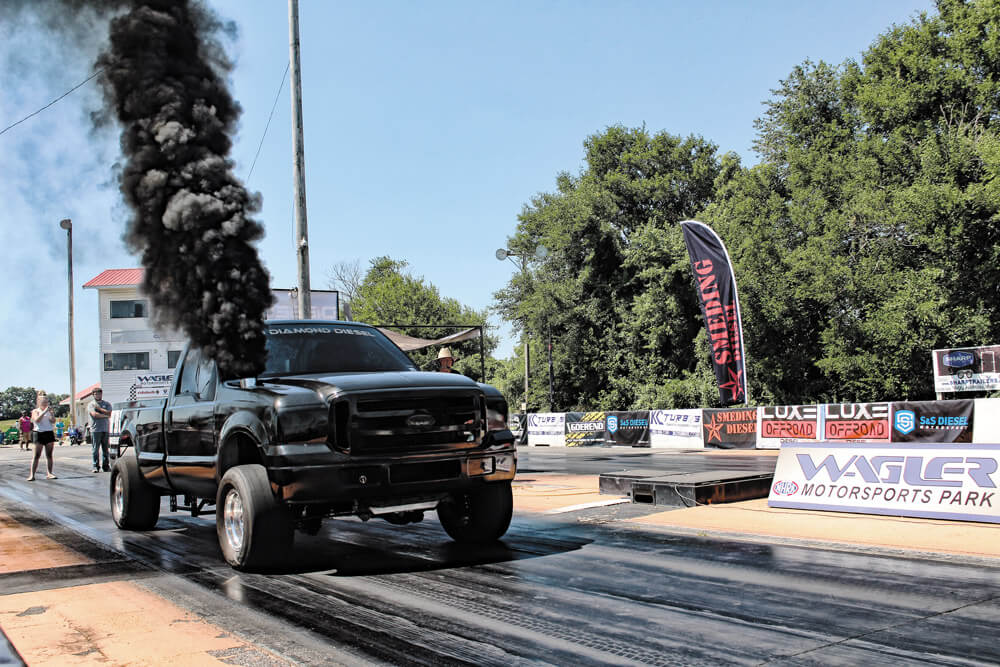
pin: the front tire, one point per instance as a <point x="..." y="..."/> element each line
<point x="135" y="504"/>
<point x="479" y="516"/>
<point x="255" y="530"/>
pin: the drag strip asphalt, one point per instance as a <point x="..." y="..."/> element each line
<point x="587" y="584"/>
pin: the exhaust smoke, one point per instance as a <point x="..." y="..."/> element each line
<point x="162" y="74"/>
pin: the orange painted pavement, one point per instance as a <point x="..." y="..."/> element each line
<point x="100" y="624"/>
<point x="22" y="548"/>
<point x="542" y="492"/>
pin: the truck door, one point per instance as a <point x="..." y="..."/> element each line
<point x="189" y="425"/>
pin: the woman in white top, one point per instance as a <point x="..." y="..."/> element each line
<point x="43" y="434"/>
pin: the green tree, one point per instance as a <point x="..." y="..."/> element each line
<point x="868" y="234"/>
<point x="615" y="289"/>
<point x="389" y="295"/>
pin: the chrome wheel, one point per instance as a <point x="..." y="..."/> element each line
<point x="232" y="516"/>
<point x="118" y="498"/>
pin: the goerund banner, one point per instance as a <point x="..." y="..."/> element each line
<point x="858" y="422"/>
<point x="939" y="481"/>
<point x="720" y="306"/>
<point x="730" y="428"/>
<point x="628" y="428"/>
<point x="932" y="421"/>
<point x="584" y="429"/>
<point x="779" y="424"/>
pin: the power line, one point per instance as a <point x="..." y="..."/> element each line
<point x="52" y="102"/>
<point x="281" y="87"/>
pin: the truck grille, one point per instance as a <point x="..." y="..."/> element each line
<point x="407" y="423"/>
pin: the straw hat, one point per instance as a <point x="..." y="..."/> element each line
<point x="445" y="353"/>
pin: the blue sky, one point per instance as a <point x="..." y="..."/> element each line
<point x="428" y="126"/>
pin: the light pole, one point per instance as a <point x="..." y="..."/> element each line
<point x="304" y="298"/>
<point x="68" y="226"/>
<point x="540" y="253"/>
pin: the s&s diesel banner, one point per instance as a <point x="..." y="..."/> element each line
<point x="932" y="421"/>
<point x="628" y="428"/>
<point x="859" y="422"/>
<point x="785" y="423"/>
<point x="939" y="481"/>
<point x="584" y="429"/>
<point x="730" y="428"/>
<point x="720" y="306"/>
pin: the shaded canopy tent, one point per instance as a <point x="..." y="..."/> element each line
<point x="409" y="343"/>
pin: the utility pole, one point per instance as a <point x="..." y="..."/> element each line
<point x="67" y="224"/>
<point x="301" y="231"/>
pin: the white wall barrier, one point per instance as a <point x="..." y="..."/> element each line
<point x="986" y="427"/>
<point x="675" y="429"/>
<point x="547" y="429"/>
<point x="930" y="480"/>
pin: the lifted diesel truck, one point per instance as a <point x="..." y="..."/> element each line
<point x="340" y="423"/>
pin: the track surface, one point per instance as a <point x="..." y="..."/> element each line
<point x="581" y="587"/>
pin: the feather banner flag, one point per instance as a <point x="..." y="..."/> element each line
<point x="720" y="305"/>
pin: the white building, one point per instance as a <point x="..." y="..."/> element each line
<point x="136" y="360"/>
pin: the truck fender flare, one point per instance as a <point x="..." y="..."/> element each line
<point x="241" y="425"/>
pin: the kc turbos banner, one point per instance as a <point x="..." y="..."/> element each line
<point x="720" y="306"/>
<point x="938" y="481"/>
<point x="628" y="428"/>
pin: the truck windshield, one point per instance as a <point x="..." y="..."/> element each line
<point x="327" y="348"/>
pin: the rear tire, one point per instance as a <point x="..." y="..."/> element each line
<point x="480" y="516"/>
<point x="255" y="530"/>
<point x="135" y="504"/>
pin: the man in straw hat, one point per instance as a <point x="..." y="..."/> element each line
<point x="445" y="360"/>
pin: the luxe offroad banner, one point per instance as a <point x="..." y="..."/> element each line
<point x="720" y="306"/>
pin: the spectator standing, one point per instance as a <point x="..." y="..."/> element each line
<point x="445" y="360"/>
<point x="100" y="413"/>
<point x="25" y="427"/>
<point x="42" y="420"/>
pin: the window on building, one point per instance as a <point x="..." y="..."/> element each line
<point x="130" y="308"/>
<point x="126" y="361"/>
<point x="173" y="356"/>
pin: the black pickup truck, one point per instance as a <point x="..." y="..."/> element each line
<point x="340" y="423"/>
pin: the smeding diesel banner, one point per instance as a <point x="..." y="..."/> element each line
<point x="720" y="306"/>
<point x="932" y="421"/>
<point x="628" y="428"/>
<point x="939" y="481"/>
<point x="858" y="422"/>
<point x="732" y="428"/>
<point x="784" y="423"/>
<point x="584" y="429"/>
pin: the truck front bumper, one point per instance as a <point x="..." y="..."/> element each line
<point x="375" y="480"/>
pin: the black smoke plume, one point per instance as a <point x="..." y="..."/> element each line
<point x="163" y="79"/>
